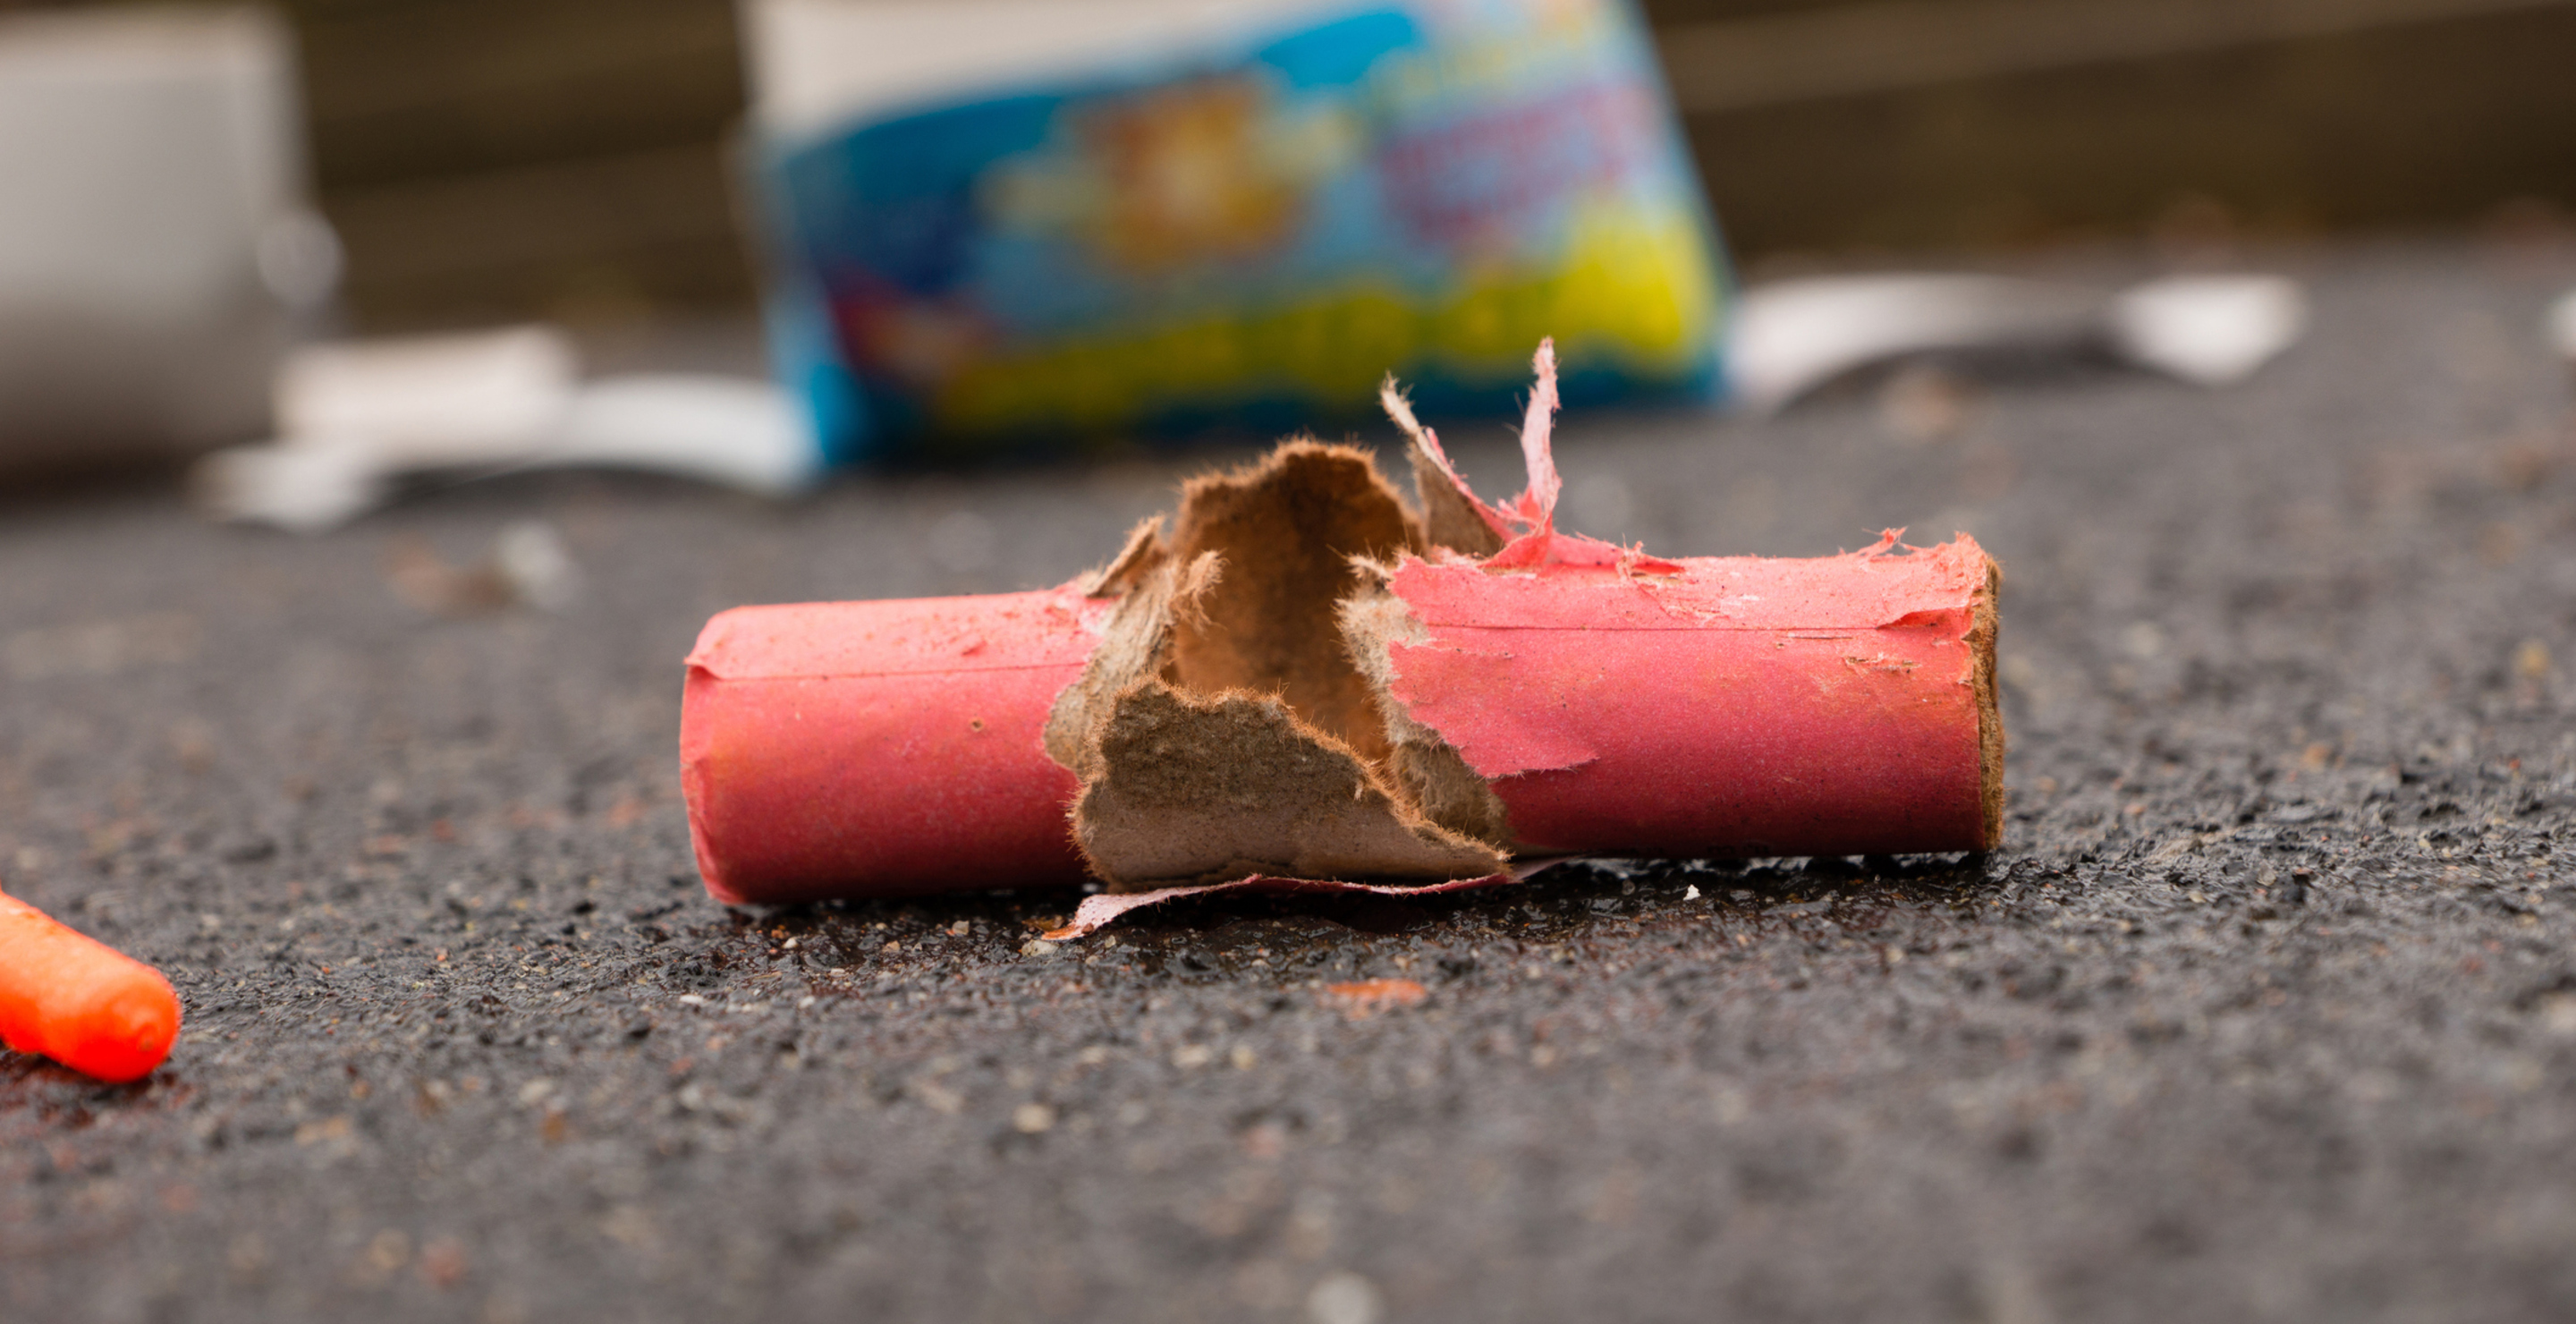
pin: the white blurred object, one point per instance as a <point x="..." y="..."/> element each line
<point x="305" y="488"/>
<point x="444" y="400"/>
<point x="532" y="559"/>
<point x="2560" y="326"/>
<point x="360" y="418"/>
<point x="732" y="431"/>
<point x="155" y="242"/>
<point x="2213" y="330"/>
<point x="1793" y="336"/>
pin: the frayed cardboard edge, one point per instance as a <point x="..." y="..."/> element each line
<point x="1985" y="620"/>
<point x="1137" y="719"/>
<point x="1143" y="554"/>
<point x="1433" y="771"/>
<point x="1452" y="515"/>
<point x="1135" y="643"/>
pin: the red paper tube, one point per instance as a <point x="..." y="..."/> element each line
<point x="1732" y="707"/>
<point x="1741" y="706"/>
<point x="881" y="748"/>
<point x="1308" y="681"/>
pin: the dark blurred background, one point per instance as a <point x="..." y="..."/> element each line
<point x="492" y="159"/>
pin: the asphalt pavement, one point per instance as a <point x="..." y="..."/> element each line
<point x="2267" y="1010"/>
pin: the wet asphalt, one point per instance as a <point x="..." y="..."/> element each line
<point x="2266" y="1012"/>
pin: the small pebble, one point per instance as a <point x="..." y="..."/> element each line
<point x="1367" y="997"/>
<point x="1344" y="1298"/>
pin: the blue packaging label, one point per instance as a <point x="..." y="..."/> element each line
<point x="1251" y="240"/>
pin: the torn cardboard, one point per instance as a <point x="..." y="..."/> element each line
<point x="1224" y="729"/>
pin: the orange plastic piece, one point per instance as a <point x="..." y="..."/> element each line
<point x="72" y="998"/>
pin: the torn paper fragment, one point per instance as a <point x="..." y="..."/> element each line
<point x="1103" y="909"/>
<point x="1538" y="504"/>
<point x="1100" y="910"/>
<point x="1301" y="683"/>
<point x="1435" y="776"/>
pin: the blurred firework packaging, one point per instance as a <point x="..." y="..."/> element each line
<point x="1166" y="218"/>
